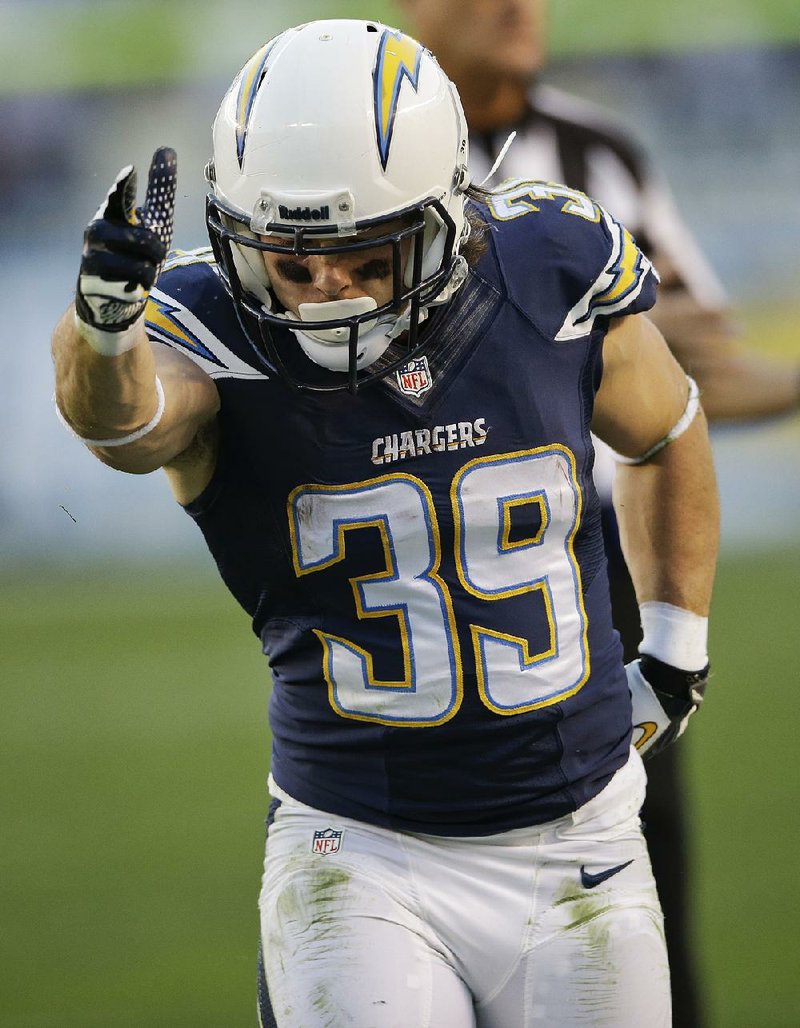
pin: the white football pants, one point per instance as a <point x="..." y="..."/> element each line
<point x="552" y="926"/>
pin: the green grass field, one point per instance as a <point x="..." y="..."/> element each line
<point x="133" y="769"/>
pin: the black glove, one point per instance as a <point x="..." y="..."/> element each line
<point x="123" y="249"/>
<point x="663" y="698"/>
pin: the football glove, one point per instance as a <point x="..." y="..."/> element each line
<point x="663" y="698"/>
<point x="124" y="247"/>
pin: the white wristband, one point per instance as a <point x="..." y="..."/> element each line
<point x="133" y="436"/>
<point x="674" y="635"/>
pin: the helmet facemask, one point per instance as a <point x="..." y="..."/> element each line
<point x="344" y="336"/>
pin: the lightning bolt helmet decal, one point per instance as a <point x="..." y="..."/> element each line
<point x="249" y="84"/>
<point x="398" y="58"/>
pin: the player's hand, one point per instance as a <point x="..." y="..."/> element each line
<point x="124" y="247"/>
<point x="664" y="698"/>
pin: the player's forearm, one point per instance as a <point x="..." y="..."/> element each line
<point x="103" y="397"/>
<point x="668" y="511"/>
<point x="137" y="411"/>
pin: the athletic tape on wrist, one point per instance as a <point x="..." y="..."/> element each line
<point x="680" y="426"/>
<point x="133" y="436"/>
<point x="673" y="635"/>
<point x="108" y="344"/>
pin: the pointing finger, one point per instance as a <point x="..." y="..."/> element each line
<point x="158" y="211"/>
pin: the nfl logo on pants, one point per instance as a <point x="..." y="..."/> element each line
<point x="326" y="841"/>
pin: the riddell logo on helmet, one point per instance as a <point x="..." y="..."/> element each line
<point x="304" y="213"/>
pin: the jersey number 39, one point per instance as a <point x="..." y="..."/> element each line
<point x="490" y="565"/>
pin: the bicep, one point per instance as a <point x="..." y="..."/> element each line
<point x="643" y="391"/>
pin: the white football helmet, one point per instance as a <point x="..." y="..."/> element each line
<point x="332" y="128"/>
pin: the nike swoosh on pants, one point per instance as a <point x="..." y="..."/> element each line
<point x="589" y="880"/>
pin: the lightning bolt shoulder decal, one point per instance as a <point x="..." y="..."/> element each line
<point x="614" y="289"/>
<point x="399" y="57"/>
<point x="164" y="321"/>
<point x="170" y="322"/>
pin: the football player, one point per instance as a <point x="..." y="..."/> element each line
<point x="375" y="394"/>
<point x="495" y="60"/>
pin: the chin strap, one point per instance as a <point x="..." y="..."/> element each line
<point x="402" y="323"/>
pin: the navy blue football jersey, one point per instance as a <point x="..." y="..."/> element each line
<point x="423" y="561"/>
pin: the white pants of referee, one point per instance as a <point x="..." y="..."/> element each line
<point x="523" y="928"/>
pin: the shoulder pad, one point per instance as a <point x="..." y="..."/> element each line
<point x="565" y="260"/>
<point x="190" y="311"/>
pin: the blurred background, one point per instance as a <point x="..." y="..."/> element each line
<point x="134" y="751"/>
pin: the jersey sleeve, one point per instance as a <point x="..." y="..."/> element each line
<point x="566" y="261"/>
<point x="190" y="311"/>
<point x="626" y="283"/>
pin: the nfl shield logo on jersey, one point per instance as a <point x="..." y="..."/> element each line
<point x="326" y="841"/>
<point x="414" y="378"/>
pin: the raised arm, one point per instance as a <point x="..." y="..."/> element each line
<point x="136" y="405"/>
<point x="668" y="511"/>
